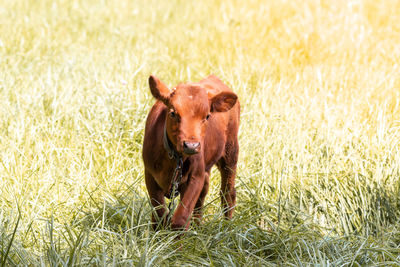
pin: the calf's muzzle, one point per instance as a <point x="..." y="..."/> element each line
<point x="190" y="148"/>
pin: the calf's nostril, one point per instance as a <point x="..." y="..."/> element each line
<point x="196" y="145"/>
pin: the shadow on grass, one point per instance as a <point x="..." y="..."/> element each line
<point x="262" y="232"/>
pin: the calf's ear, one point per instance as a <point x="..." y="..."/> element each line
<point x="223" y="102"/>
<point x="158" y="89"/>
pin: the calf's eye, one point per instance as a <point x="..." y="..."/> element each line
<point x="172" y="114"/>
<point x="208" y="116"/>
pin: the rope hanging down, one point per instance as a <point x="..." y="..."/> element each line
<point x="177" y="175"/>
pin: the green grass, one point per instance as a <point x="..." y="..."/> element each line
<point x="319" y="168"/>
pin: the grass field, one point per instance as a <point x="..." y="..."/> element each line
<point x="319" y="168"/>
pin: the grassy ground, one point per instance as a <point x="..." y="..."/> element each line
<point x="319" y="83"/>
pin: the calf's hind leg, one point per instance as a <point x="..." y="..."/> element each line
<point x="227" y="167"/>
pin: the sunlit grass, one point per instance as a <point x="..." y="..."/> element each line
<point x="319" y="85"/>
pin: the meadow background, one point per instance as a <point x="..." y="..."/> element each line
<point x="318" y="175"/>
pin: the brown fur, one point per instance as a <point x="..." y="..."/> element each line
<point x="217" y="138"/>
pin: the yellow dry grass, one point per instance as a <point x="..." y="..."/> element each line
<point x="319" y="85"/>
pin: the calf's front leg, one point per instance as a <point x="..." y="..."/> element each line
<point x="198" y="209"/>
<point x="157" y="201"/>
<point x="181" y="217"/>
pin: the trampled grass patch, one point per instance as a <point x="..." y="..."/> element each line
<point x="318" y="175"/>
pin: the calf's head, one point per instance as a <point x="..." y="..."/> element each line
<point x="190" y="108"/>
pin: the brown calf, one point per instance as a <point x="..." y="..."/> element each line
<point x="188" y="130"/>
